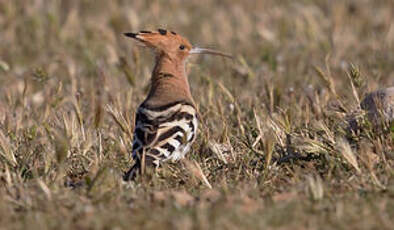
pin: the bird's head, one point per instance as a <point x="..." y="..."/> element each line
<point x="170" y="44"/>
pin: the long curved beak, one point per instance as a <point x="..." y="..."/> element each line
<point x="198" y="50"/>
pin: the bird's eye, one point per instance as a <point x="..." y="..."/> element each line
<point x="181" y="47"/>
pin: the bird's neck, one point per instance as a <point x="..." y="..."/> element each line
<point x="169" y="83"/>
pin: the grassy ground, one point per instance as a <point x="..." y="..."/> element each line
<point x="274" y="144"/>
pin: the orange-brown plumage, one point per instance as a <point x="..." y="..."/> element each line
<point x="169" y="82"/>
<point x="170" y="60"/>
<point x="171" y="52"/>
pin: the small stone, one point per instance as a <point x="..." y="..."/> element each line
<point x="380" y="102"/>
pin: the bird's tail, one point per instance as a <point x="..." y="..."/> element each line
<point x="139" y="167"/>
<point x="133" y="172"/>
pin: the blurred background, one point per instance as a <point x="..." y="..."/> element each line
<point x="270" y="39"/>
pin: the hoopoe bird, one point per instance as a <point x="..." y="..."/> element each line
<point x="166" y="121"/>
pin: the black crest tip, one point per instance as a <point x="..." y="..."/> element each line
<point x="131" y="35"/>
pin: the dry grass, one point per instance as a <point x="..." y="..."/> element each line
<point x="275" y="144"/>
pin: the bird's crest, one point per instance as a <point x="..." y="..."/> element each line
<point x="170" y="43"/>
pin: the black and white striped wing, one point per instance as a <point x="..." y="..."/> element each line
<point x="177" y="133"/>
<point x="165" y="133"/>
